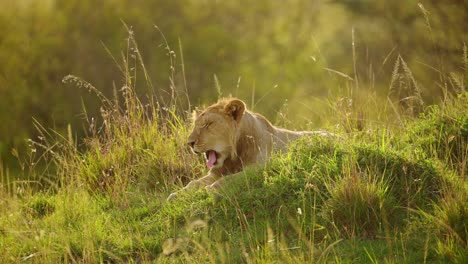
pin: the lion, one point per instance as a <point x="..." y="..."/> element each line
<point x="232" y="138"/>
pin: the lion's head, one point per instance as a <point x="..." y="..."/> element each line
<point x="215" y="131"/>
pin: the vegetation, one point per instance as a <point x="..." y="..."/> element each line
<point x="274" y="56"/>
<point x="373" y="195"/>
<point x="392" y="187"/>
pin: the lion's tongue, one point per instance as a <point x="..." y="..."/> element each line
<point x="211" y="159"/>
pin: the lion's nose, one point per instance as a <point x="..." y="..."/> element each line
<point x="191" y="143"/>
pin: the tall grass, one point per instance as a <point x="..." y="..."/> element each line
<point x="380" y="193"/>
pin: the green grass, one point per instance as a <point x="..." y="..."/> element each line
<point x="387" y="194"/>
<point x="356" y="199"/>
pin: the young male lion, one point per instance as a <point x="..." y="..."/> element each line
<point x="231" y="137"/>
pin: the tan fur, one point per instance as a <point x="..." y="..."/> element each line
<point x="240" y="138"/>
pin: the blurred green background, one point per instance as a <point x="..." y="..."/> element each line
<point x="273" y="54"/>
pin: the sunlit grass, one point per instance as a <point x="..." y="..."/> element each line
<point x="377" y="193"/>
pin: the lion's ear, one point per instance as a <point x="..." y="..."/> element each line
<point x="235" y="108"/>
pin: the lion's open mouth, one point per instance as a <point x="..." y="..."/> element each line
<point x="211" y="158"/>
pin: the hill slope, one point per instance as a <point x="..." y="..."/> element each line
<point x="383" y="195"/>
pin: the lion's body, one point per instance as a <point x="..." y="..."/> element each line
<point x="256" y="140"/>
<point x="232" y="138"/>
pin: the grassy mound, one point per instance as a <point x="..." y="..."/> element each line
<point x="378" y="196"/>
<point x="390" y="194"/>
<point x="322" y="192"/>
<point x="443" y="133"/>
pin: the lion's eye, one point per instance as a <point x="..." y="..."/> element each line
<point x="206" y="125"/>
